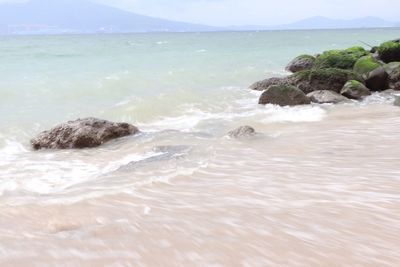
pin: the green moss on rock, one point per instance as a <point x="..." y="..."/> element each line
<point x="389" y="51"/>
<point x="323" y="79"/>
<point x="342" y="59"/>
<point x="365" y="65"/>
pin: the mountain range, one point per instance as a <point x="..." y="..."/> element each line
<point x="83" y="16"/>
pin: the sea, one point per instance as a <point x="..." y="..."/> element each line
<point x="318" y="185"/>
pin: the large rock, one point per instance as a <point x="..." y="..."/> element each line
<point x="322" y="79"/>
<point x="365" y="65"/>
<point x="341" y="59"/>
<point x="326" y="96"/>
<point x="242" y="131"/>
<point x="264" y="84"/>
<point x="82" y="133"/>
<point x="389" y="51"/>
<point x="283" y="95"/>
<point x="393" y="70"/>
<point x="377" y="80"/>
<point x="303" y="62"/>
<point x="355" y="90"/>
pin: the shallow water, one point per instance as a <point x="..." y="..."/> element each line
<point x="317" y="186"/>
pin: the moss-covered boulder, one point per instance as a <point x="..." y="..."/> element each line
<point x="365" y="65"/>
<point x="322" y="79"/>
<point x="389" y="51"/>
<point x="393" y="70"/>
<point x="303" y="62"/>
<point x="341" y="59"/>
<point x="264" y="84"/>
<point x="355" y="90"/>
<point x="283" y="95"/>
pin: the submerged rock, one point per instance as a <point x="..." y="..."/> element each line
<point x="264" y="84"/>
<point x="377" y="80"/>
<point x="326" y="96"/>
<point x="303" y="62"/>
<point x="355" y="90"/>
<point x="284" y="95"/>
<point x="322" y="79"/>
<point x="389" y="51"/>
<point x="242" y="131"/>
<point x="82" y="133"/>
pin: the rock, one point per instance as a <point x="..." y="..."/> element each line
<point x="322" y="79"/>
<point x="326" y="96"/>
<point x="242" y="131"/>
<point x="393" y="70"/>
<point x="303" y="62"/>
<point x="283" y="95"/>
<point x="264" y="84"/>
<point x="397" y="101"/>
<point x="355" y="90"/>
<point x="389" y="51"/>
<point x="82" y="133"/>
<point x="377" y="80"/>
<point x="341" y="59"/>
<point x="365" y="65"/>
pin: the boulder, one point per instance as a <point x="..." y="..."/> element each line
<point x="326" y="96"/>
<point x="377" y="80"/>
<point x="341" y="59"/>
<point x="365" y="65"/>
<point x="82" y="133"/>
<point x="393" y="70"/>
<point x="355" y="90"/>
<point x="303" y="62"/>
<point x="322" y="79"/>
<point x="389" y="51"/>
<point x="283" y="95"/>
<point x="264" y="84"/>
<point x="242" y="131"/>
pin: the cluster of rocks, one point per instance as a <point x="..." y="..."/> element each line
<point x="334" y="76"/>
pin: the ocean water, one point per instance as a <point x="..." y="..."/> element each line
<point x="317" y="186"/>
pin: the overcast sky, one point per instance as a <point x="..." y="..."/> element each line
<point x="256" y="12"/>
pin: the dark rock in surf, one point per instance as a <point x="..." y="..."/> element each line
<point x="393" y="70"/>
<point x="377" y="80"/>
<point x="243" y="131"/>
<point x="355" y="90"/>
<point x="283" y="95"/>
<point x="326" y="96"/>
<point x="82" y="133"/>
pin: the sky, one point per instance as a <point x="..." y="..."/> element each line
<point x="256" y="12"/>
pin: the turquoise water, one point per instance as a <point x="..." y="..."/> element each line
<point x="47" y="79"/>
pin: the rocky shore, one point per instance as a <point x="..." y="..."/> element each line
<point x="334" y="76"/>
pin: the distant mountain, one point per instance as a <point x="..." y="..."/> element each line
<point x="81" y="16"/>
<point x="325" y="23"/>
